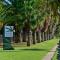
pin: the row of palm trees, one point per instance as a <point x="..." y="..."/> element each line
<point x="33" y="20"/>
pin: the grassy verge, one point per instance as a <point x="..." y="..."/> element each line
<point x="55" y="56"/>
<point x="34" y="52"/>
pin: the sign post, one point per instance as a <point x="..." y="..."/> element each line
<point x="8" y="33"/>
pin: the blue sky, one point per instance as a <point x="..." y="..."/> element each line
<point x="8" y="1"/>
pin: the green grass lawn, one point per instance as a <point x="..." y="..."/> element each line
<point x="55" y="56"/>
<point x="34" y="52"/>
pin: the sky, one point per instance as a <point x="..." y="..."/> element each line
<point x="8" y="1"/>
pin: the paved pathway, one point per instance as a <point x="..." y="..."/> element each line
<point x="50" y="54"/>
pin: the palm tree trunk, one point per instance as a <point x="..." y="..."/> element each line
<point x="38" y="36"/>
<point x="17" y="34"/>
<point x="24" y="36"/>
<point x="42" y="35"/>
<point x="34" y="37"/>
<point x="48" y="35"/>
<point x="29" y="38"/>
<point x="21" y="36"/>
<point x="45" y="36"/>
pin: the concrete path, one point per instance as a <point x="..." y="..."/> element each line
<point x="50" y="54"/>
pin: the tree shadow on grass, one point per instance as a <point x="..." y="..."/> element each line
<point x="19" y="50"/>
<point x="35" y="49"/>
